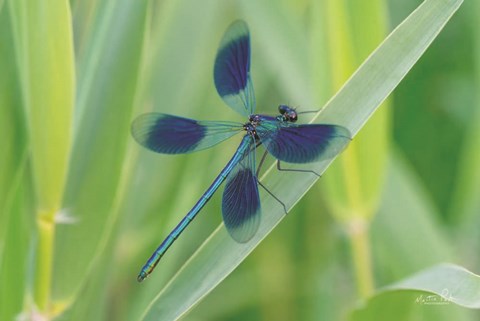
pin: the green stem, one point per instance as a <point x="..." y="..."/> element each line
<point x="44" y="263"/>
<point x="360" y="247"/>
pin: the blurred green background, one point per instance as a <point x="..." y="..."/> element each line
<point x="74" y="75"/>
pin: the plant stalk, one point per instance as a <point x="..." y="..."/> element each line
<point x="44" y="260"/>
<point x="358" y="233"/>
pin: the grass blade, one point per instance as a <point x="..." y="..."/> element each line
<point x="97" y="160"/>
<point x="455" y="283"/>
<point x="437" y="287"/>
<point x="354" y="182"/>
<point x="45" y="60"/>
<point x="465" y="202"/>
<point x="17" y="240"/>
<point x="351" y="107"/>
<point x="353" y="185"/>
<point x="15" y="189"/>
<point x="44" y="54"/>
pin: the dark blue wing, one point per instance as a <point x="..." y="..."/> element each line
<point x="232" y="69"/>
<point x="241" y="202"/>
<point x="168" y="134"/>
<point x="303" y="143"/>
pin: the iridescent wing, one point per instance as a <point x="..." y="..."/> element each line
<point x="232" y="69"/>
<point x="168" y="134"/>
<point x="241" y="202"/>
<point x="294" y="143"/>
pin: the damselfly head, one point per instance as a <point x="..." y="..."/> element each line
<point x="288" y="114"/>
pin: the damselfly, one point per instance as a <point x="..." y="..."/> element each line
<point x="280" y="135"/>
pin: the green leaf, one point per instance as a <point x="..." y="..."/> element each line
<point x="43" y="41"/>
<point x="44" y="49"/>
<point x="465" y="203"/>
<point x="351" y="107"/>
<point x="108" y="70"/>
<point x="12" y="125"/>
<point x="454" y="283"/>
<point x="15" y="190"/>
<point x="17" y="239"/>
<point x="437" y="286"/>
<point x="353" y="184"/>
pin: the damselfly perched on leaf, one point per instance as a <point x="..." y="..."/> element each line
<point x="281" y="137"/>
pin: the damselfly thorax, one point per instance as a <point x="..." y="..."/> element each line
<point x="287" y="114"/>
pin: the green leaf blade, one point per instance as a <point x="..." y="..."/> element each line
<point x="46" y="66"/>
<point x="44" y="54"/>
<point x="429" y="293"/>
<point x="452" y="282"/>
<point x="108" y="84"/>
<point x="353" y="184"/>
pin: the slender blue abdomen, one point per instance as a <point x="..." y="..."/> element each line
<point x="160" y="251"/>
